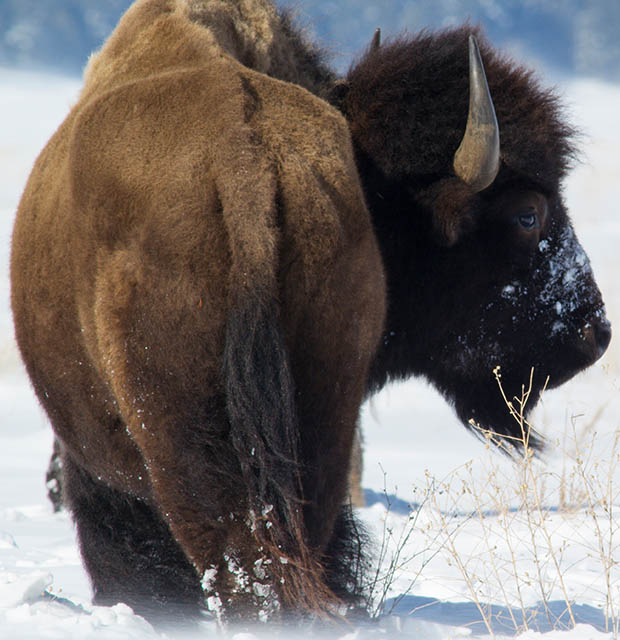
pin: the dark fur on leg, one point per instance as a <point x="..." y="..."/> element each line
<point x="53" y="478"/>
<point x="129" y="552"/>
<point x="346" y="572"/>
<point x="346" y="564"/>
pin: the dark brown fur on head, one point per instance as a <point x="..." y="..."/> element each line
<point x="414" y="90"/>
<point x="407" y="101"/>
<point x="450" y="253"/>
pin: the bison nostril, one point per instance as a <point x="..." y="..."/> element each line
<point x="602" y="334"/>
<point x="596" y="335"/>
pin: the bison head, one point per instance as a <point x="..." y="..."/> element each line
<point x="484" y="268"/>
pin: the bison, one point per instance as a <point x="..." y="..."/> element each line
<point x="212" y="268"/>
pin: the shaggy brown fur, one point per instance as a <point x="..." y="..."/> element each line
<point x="198" y="293"/>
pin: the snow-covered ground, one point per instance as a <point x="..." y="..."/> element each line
<point x="469" y="552"/>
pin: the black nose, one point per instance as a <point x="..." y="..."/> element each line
<point x="602" y="334"/>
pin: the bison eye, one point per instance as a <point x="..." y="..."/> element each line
<point x="528" y="220"/>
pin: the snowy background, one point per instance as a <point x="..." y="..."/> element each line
<point x="471" y="556"/>
<point x="565" y="36"/>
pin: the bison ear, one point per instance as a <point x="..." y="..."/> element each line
<point x="449" y="202"/>
<point x="336" y="94"/>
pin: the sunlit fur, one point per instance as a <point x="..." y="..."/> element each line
<point x="198" y="294"/>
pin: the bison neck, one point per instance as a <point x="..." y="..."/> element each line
<point x="403" y="232"/>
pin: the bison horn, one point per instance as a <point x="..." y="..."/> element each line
<point x="476" y="161"/>
<point x="376" y="41"/>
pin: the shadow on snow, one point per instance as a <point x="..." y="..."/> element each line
<point x="503" y="621"/>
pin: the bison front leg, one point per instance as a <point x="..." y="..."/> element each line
<point x="53" y="478"/>
<point x="356" y="492"/>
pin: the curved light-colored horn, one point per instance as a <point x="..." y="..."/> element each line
<point x="376" y="40"/>
<point x="476" y="161"/>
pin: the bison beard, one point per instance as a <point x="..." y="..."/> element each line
<point x="211" y="290"/>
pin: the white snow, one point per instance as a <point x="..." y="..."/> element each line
<point x="468" y="547"/>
